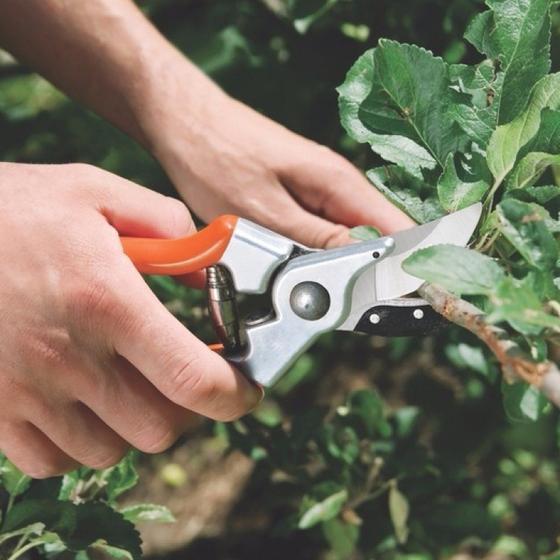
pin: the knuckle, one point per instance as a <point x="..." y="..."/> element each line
<point x="181" y="221"/>
<point x="157" y="438"/>
<point x="105" y="457"/>
<point x="331" y="236"/>
<point x="180" y="212"/>
<point x="192" y="386"/>
<point x="52" y="349"/>
<point x="82" y="169"/>
<point x="87" y="176"/>
<point x="188" y="382"/>
<point x="92" y="306"/>
<point x="42" y="468"/>
<point x="87" y="299"/>
<point x="91" y="181"/>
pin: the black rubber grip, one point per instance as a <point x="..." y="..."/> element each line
<point x="401" y="320"/>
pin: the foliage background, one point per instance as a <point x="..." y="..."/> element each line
<point x="477" y="483"/>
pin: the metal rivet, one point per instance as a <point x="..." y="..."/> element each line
<point x="374" y="319"/>
<point x="375" y="254"/>
<point x="418" y="314"/>
<point x="310" y="301"/>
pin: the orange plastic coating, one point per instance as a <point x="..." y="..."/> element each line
<point x="175" y="257"/>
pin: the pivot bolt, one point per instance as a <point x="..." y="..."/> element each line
<point x="374" y="319"/>
<point x="310" y="301"/>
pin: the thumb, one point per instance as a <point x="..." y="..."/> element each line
<point x="179" y="365"/>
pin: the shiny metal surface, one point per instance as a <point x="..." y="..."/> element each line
<point x="354" y="279"/>
<point x="222" y="307"/>
<point x="253" y="255"/>
<point x="273" y="345"/>
<point x="310" y="301"/>
<point x="387" y="280"/>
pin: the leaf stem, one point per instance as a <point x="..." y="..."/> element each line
<point x="516" y="365"/>
<point x="362" y="499"/>
<point x="24" y="549"/>
<point x="490" y="198"/>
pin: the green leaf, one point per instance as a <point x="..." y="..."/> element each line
<point x="515" y="301"/>
<point x="28" y="530"/>
<point x="367" y="406"/>
<point x="324" y="510"/>
<point x="459" y="270"/>
<point x="365" y="233"/>
<point x="341" y="443"/>
<point x="405" y="420"/>
<point x="342" y="537"/>
<point x="73" y="481"/>
<point x="414" y="197"/>
<point x="547" y="138"/>
<point x="507" y="140"/>
<point x="455" y="194"/>
<point x="402" y="151"/>
<point x="399" y="511"/>
<point x="121" y="477"/>
<point x="541" y="195"/>
<point x="78" y="526"/>
<point x="530" y="168"/>
<point x="394" y="148"/>
<point x="525" y="228"/>
<point x="467" y="356"/>
<point x="421" y="106"/>
<point x="523" y="402"/>
<point x="352" y="93"/>
<point x="386" y="93"/>
<point x="515" y="34"/>
<point x="543" y="284"/>
<point x="478" y="31"/>
<point x="509" y="545"/>
<point x="13" y="480"/>
<point x="112" y="551"/>
<point x="147" y="512"/>
<point x="479" y="117"/>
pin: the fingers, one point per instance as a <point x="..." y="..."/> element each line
<point x="32" y="452"/>
<point x="179" y="365"/>
<point x="122" y="408"/>
<point x="131" y="406"/>
<point x="329" y="185"/>
<point x="81" y="435"/>
<point x="317" y="232"/>
<point x="137" y="211"/>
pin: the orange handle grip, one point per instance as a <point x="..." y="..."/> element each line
<point x="176" y="257"/>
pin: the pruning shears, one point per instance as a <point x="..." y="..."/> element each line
<point x="359" y="287"/>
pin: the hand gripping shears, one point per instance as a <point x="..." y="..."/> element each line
<point x="359" y="287"/>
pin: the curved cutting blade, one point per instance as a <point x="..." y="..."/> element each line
<point x="387" y="280"/>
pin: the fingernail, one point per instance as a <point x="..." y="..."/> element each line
<point x="255" y="396"/>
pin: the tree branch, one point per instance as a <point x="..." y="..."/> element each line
<point x="516" y="364"/>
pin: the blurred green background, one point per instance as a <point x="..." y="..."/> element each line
<point x="479" y="485"/>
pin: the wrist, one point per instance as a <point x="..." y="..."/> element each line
<point x="174" y="104"/>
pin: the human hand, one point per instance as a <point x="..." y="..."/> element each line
<point x="222" y="156"/>
<point x="227" y="158"/>
<point x="90" y="361"/>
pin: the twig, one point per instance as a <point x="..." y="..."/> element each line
<point x="516" y="364"/>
